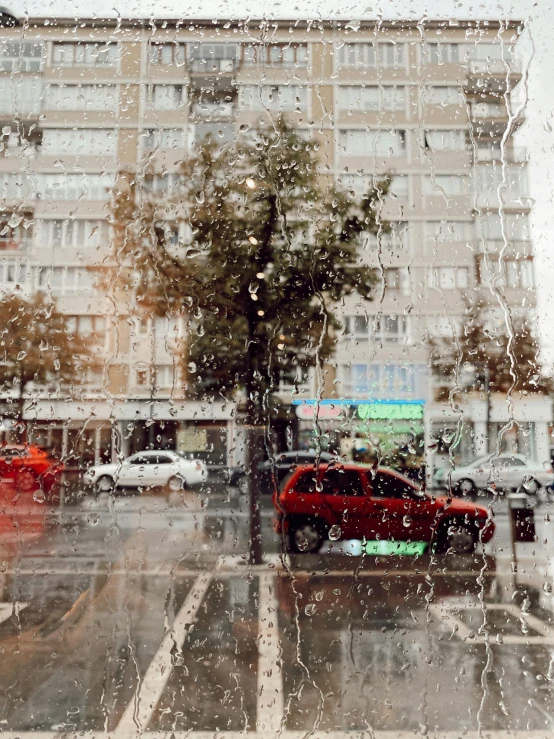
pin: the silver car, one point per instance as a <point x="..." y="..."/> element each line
<point x="148" y="469"/>
<point x="503" y="471"/>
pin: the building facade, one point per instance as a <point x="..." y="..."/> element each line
<point x="431" y="105"/>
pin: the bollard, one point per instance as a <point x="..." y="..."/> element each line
<point x="522" y="521"/>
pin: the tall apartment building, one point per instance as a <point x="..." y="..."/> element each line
<point x="430" y="104"/>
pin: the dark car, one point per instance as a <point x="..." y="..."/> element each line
<point x="348" y="501"/>
<point x="280" y="466"/>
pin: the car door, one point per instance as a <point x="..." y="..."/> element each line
<point x="343" y="493"/>
<point x="131" y="470"/>
<point x="161" y="469"/>
<point x="399" y="511"/>
<point x="508" y="472"/>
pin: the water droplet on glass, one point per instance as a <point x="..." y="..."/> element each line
<point x="319" y="595"/>
<point x="334" y="533"/>
<point x="547" y="587"/>
<point x="38" y="496"/>
<point x="407" y="521"/>
<point x="310" y="609"/>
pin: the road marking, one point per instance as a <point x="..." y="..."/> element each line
<point x="138" y="713"/>
<point x="445" y="615"/>
<point x="7" y="610"/>
<point x="271" y="702"/>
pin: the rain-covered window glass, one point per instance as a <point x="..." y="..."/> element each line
<point x="276" y="370"/>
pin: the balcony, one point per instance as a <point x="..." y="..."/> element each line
<point x="494" y="154"/>
<point x="492" y="75"/>
<point x="15" y="244"/>
<point x="520" y="247"/>
<point x="213" y="110"/>
<point x="491" y="119"/>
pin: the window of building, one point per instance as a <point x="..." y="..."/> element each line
<point x="13" y="274"/>
<point x="74" y="233"/>
<point x="141" y="377"/>
<point x="448" y="140"/>
<point x="397" y="236"/>
<point x="167" y="53"/>
<point x="493" y="226"/>
<point x="392" y="329"/>
<point x="64" y="280"/>
<point x="16" y="185"/>
<point x="449" y="278"/>
<point x="379" y="380"/>
<point x="84" y="54"/>
<point x="16" y="232"/>
<point x="163" y="138"/>
<point x="372" y="98"/>
<point x="21" y="96"/>
<point x="357" y="327"/>
<point x="162" y="184"/>
<point x="273" y="97"/>
<point x="275" y="55"/>
<point x="442" y="95"/>
<point x="445" y="185"/>
<point x="212" y="57"/>
<point x="20" y="56"/>
<point x="75" y="187"/>
<point x="359" y="184"/>
<point x="81" y="97"/>
<point x="517" y="273"/>
<point x="368" y="143"/>
<point x="165" y="376"/>
<point x="397" y="279"/>
<point x="79" y="141"/>
<point x="86" y="325"/>
<point x="369" y="55"/>
<point x="443" y="53"/>
<point x="447" y="231"/>
<point x="167" y="97"/>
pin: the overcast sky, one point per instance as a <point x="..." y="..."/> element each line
<point x="536" y="135"/>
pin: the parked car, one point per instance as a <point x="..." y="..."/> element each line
<point x="282" y="464"/>
<point x="31" y="468"/>
<point x="505" y="471"/>
<point x="348" y="501"/>
<point x="148" y="469"/>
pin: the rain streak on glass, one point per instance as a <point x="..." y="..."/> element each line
<point x="276" y="371"/>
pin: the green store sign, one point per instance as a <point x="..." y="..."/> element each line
<point x="390" y="411"/>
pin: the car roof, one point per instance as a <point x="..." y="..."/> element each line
<point x="152" y="452"/>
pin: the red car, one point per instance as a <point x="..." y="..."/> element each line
<point x="30" y="468"/>
<point x="349" y="501"/>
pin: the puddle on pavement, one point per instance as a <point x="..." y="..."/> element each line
<point x="367" y="658"/>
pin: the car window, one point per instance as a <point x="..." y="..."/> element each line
<point x="139" y="459"/>
<point x="341" y="482"/>
<point x="504" y="462"/>
<point x="389" y="486"/>
<point x="306" y="483"/>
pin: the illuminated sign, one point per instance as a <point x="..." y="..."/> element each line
<point x="308" y="412"/>
<point x="390" y="411"/>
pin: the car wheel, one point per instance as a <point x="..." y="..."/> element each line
<point x="529" y="486"/>
<point x="306" y="536"/>
<point x="176" y="484"/>
<point x="242" y="485"/>
<point x="466" y="487"/>
<point x="26" y="481"/>
<point x="104" y="484"/>
<point x="457" y="537"/>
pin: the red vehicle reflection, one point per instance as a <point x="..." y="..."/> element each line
<point x="31" y="469"/>
<point x="347" y="501"/>
<point x="22" y="520"/>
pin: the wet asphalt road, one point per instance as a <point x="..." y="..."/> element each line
<point x="138" y="614"/>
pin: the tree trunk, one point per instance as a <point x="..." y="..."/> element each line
<point x="254" y="450"/>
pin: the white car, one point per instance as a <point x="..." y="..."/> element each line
<point x="505" y="472"/>
<point x="148" y="469"/>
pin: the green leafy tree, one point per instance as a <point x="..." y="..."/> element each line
<point x="36" y="347"/>
<point x="272" y="247"/>
<point x="482" y="357"/>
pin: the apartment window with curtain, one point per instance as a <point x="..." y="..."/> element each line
<point x="98" y="97"/>
<point x="273" y="97"/>
<point x="79" y="141"/>
<point x="445" y="140"/>
<point x="277" y="55"/>
<point x="361" y="55"/>
<point x="84" y="54"/>
<point x="372" y="98"/>
<point x="368" y="143"/>
<point x="167" y="54"/>
<point x="443" y="53"/>
<point x="167" y="97"/>
<point x="442" y="95"/>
